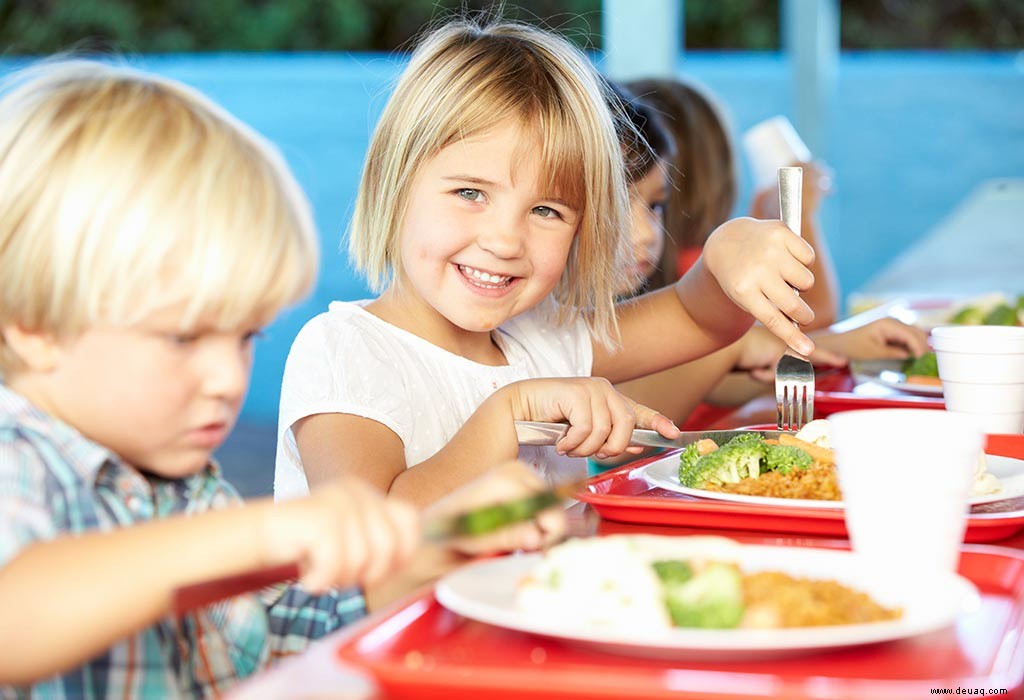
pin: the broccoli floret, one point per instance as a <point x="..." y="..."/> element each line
<point x="1001" y="315"/>
<point x="688" y="459"/>
<point x="711" y="599"/>
<point x="969" y="316"/>
<point x="785" y="458"/>
<point x="673" y="572"/>
<point x="737" y="459"/>
<point x="924" y="366"/>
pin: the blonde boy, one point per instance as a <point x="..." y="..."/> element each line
<point x="145" y="238"/>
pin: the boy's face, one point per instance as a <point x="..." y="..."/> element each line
<point x="161" y="399"/>
<point x="482" y="241"/>
<point x="647" y="199"/>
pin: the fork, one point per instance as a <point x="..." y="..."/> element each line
<point x="794" y="376"/>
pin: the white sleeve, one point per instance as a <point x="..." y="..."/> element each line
<point x="335" y="368"/>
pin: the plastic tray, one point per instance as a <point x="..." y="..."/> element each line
<point x="624" y="495"/>
<point x="421" y="650"/>
<point x="839" y="391"/>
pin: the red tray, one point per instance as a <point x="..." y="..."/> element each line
<point x="421" y="650"/>
<point x="837" y="390"/>
<point x="624" y="495"/>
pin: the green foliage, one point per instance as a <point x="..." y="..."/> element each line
<point x="161" y="26"/>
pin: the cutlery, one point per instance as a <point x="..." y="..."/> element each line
<point x="794" y="376"/>
<point x="541" y="433"/>
<point x="439" y="530"/>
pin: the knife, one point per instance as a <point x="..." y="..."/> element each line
<point x="540" y="433"/>
<point x="471" y="523"/>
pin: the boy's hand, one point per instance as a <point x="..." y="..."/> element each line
<point x="601" y="420"/>
<point x="760" y="352"/>
<point x="509" y="481"/>
<point x="344" y="533"/>
<point x="758" y="264"/>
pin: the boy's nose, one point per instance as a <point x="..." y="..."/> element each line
<point x="226" y="372"/>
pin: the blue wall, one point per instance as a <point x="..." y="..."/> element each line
<point x="911" y="135"/>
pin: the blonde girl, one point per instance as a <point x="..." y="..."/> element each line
<point x="492" y="216"/>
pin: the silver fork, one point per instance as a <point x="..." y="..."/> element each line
<point x="794" y="376"/>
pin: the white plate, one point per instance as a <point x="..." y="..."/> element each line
<point x="888" y="374"/>
<point x="664" y="473"/>
<point x="485" y="591"/>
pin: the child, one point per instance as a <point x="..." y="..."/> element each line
<point x="146" y="237"/>
<point x="491" y="212"/>
<point x="677" y="391"/>
<point x="705" y="182"/>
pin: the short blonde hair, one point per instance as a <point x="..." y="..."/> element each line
<point x="463" y="79"/>
<point x="122" y="192"/>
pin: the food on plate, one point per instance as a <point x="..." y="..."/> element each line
<point x="648" y="584"/>
<point x="990" y="310"/>
<point x="795" y="466"/>
<point x="922" y="370"/>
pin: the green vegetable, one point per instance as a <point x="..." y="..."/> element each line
<point x="969" y="316"/>
<point x="1001" y="315"/>
<point x="673" y="572"/>
<point x="737" y="459"/>
<point x="711" y="599"/>
<point x="785" y="458"/>
<point x="689" y="457"/>
<point x="924" y="366"/>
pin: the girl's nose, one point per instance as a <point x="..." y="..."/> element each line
<point x="503" y="237"/>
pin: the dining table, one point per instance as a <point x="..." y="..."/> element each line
<point x="415" y="648"/>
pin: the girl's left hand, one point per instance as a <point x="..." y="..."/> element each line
<point x="758" y="264"/>
<point x="883" y="338"/>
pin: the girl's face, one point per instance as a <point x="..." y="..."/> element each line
<point x="482" y="240"/>
<point x="161" y="399"/>
<point x="647" y="199"/>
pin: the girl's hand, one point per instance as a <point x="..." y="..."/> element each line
<point x="758" y="264"/>
<point x="508" y="481"/>
<point x="344" y="533"/>
<point x="884" y="338"/>
<point x="601" y="419"/>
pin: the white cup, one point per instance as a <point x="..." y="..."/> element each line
<point x="770" y="145"/>
<point x="982" y="373"/>
<point x="906" y="476"/>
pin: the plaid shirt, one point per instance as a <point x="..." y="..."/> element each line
<point x="53" y="481"/>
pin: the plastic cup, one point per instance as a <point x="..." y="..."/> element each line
<point x="770" y="145"/>
<point x="982" y="373"/>
<point x="906" y="478"/>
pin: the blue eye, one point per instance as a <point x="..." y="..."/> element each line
<point x="469" y="194"/>
<point x="547" y="212"/>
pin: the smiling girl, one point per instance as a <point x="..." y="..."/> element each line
<point x="493" y="216"/>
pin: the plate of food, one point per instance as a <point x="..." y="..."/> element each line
<point x="701" y="597"/>
<point x="917" y="375"/>
<point x="796" y="471"/>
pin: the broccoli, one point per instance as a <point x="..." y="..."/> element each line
<point x="969" y="316"/>
<point x="688" y="459"/>
<point x="785" y="458"/>
<point x="713" y="598"/>
<point x="737" y="459"/>
<point x="924" y="366"/>
<point x="673" y="572"/>
<point x="1001" y="315"/>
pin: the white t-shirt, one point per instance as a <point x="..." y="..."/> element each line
<point x="349" y="361"/>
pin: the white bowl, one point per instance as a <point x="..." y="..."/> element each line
<point x="986" y="340"/>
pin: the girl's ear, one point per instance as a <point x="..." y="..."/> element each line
<point x="36" y="349"/>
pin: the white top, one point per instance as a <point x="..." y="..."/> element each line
<point x="349" y="361"/>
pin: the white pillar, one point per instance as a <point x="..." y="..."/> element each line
<point x="810" y="32"/>
<point x="642" y="38"/>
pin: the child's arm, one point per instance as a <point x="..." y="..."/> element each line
<point x="823" y="297"/>
<point x="63" y="601"/>
<point x="601" y="422"/>
<point x="746" y="266"/>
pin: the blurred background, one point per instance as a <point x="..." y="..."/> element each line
<point x="926" y="103"/>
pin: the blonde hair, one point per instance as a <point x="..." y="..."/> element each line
<point x="122" y="192"/>
<point x="704" y="171"/>
<point x="465" y="78"/>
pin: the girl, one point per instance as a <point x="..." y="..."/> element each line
<point x="490" y="213"/>
<point x="705" y="185"/>
<point x="678" y="391"/>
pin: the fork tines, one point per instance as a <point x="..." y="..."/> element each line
<point x="794" y="392"/>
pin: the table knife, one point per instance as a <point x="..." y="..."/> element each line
<point x="540" y="433"/>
